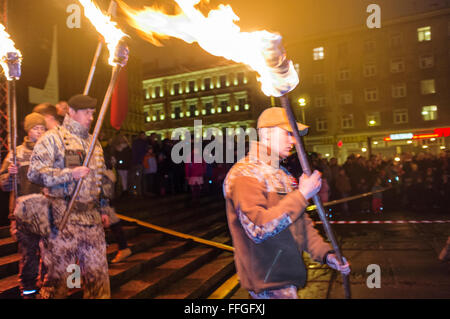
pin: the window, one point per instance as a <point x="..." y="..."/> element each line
<point x="429" y="113"/>
<point x="192" y="109"/>
<point x="400" y="116"/>
<point x="344" y="74"/>
<point x="240" y="78"/>
<point x="427" y="87"/>
<point x="146" y="94"/>
<point x="426" y="61"/>
<point x="177" y="112"/>
<point x="158" y="91"/>
<point x="395" y="40"/>
<point x="223" y="105"/>
<point x="318" y="53"/>
<point x="397" y="65"/>
<point x="207" y="83"/>
<point x="321" y="124"/>
<point x="347" y="121"/>
<point x="191" y="85"/>
<point x="399" y="90"/>
<point x="176" y="88"/>
<point x="424" y="34"/>
<point x="345" y="98"/>
<point x="373" y="119"/>
<point x="320" y="101"/>
<point x="241" y="103"/>
<point x="371" y="95"/>
<point x="369" y="45"/>
<point x="369" y="69"/>
<point x="318" y="78"/>
<point x="223" y="81"/>
<point x="208" y="108"/>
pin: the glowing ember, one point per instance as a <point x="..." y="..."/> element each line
<point x="104" y="26"/>
<point x="218" y="34"/>
<point x="8" y="51"/>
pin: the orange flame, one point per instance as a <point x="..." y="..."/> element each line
<point x="104" y="26"/>
<point x="6" y="45"/>
<point x="218" y="34"/>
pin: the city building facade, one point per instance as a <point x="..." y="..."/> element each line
<point x="376" y="91"/>
<point x="222" y="97"/>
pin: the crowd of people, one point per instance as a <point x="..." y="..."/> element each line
<point x="145" y="168"/>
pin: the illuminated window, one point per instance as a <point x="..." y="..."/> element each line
<point x="424" y="34"/>
<point x="399" y="90"/>
<point x="322" y="124"/>
<point x="344" y="74"/>
<point x="158" y="92"/>
<point x="318" y="53"/>
<point x="146" y="94"/>
<point x="397" y="65"/>
<point x="177" y="112"/>
<point x="426" y="61"/>
<point x="241" y="103"/>
<point x="369" y="69"/>
<point x="427" y="87"/>
<point x="400" y="116"/>
<point x="429" y="112"/>
<point x="373" y="119"/>
<point x="347" y="121"/>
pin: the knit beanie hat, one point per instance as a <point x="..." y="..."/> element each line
<point x="33" y="119"/>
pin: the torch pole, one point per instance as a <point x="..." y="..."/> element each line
<point x="301" y="153"/>
<point x="12" y="125"/>
<point x="98" y="51"/>
<point x="98" y="126"/>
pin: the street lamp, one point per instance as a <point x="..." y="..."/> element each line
<point x="302" y="103"/>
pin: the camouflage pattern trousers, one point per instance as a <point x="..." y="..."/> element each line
<point x="83" y="245"/>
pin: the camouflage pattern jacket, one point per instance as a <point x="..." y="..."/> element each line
<point x="55" y="154"/>
<point x="268" y="224"/>
<point x="24" y="186"/>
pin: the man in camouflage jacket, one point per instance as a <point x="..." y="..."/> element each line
<point x="56" y="163"/>
<point x="266" y="215"/>
<point x="28" y="243"/>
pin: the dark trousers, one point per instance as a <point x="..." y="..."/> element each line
<point x="28" y="246"/>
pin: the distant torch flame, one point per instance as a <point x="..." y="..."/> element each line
<point x="6" y="48"/>
<point x="218" y="34"/>
<point x="104" y="26"/>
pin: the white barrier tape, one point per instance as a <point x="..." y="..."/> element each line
<point x="386" y="222"/>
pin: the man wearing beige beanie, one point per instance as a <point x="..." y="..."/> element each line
<point x="28" y="243"/>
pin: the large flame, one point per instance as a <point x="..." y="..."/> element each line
<point x="6" y="46"/>
<point x="104" y="26"/>
<point x="218" y="34"/>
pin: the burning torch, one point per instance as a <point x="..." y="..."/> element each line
<point x="262" y="51"/>
<point x="11" y="59"/>
<point x="119" y="53"/>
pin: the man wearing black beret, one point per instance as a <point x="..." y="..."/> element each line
<point x="56" y="163"/>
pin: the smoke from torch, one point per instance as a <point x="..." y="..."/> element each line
<point x="218" y="34"/>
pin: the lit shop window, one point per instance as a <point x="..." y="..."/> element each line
<point x="318" y="53"/>
<point x="424" y="34"/>
<point x="429" y="112"/>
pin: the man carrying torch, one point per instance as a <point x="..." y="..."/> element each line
<point x="57" y="163"/>
<point x="266" y="215"/>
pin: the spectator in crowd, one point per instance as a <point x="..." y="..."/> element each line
<point x="150" y="169"/>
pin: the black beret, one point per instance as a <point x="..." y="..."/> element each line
<point x="80" y="102"/>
